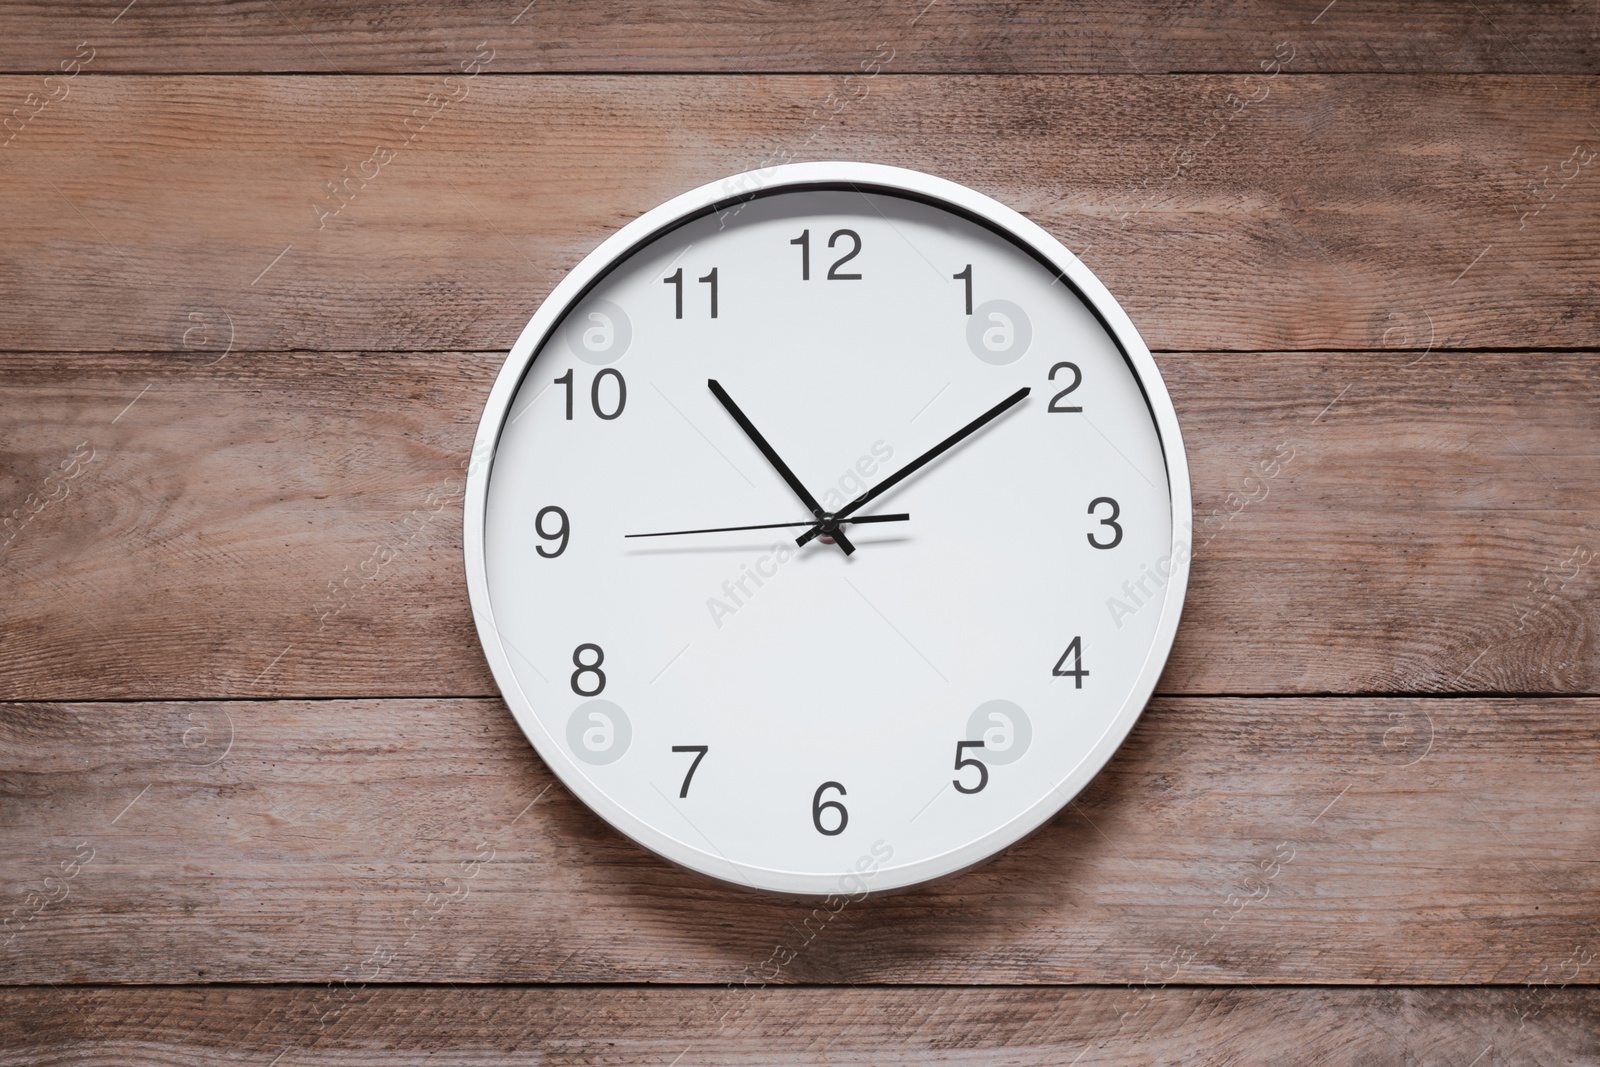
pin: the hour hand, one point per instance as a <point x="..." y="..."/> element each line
<point x="825" y="523"/>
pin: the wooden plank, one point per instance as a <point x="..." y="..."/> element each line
<point x="1230" y="840"/>
<point x="498" y="1025"/>
<point x="1432" y="525"/>
<point x="1333" y="212"/>
<point x="411" y="36"/>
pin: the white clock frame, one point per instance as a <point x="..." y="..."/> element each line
<point x="721" y="195"/>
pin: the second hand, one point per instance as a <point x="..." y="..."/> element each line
<point x="770" y="526"/>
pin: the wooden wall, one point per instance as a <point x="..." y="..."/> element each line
<point x="1358" y="823"/>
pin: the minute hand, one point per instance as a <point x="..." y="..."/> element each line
<point x="921" y="461"/>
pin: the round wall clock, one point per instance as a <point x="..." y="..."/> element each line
<point x="829" y="528"/>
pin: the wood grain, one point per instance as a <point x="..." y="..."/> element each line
<point x="1334" y="212"/>
<point x="413" y="36"/>
<point x="390" y="1027"/>
<point x="1434" y="526"/>
<point x="1230" y="840"/>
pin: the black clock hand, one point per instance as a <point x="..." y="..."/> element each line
<point x="769" y="526"/>
<point x="921" y="461"/>
<point x="825" y="523"/>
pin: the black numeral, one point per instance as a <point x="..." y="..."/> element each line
<point x="559" y="535"/>
<point x="676" y="279"/>
<point x="983" y="772"/>
<point x="804" y="241"/>
<point x="701" y="750"/>
<point x="966" y="276"/>
<point x="1077" y="673"/>
<point x="594" y="393"/>
<point x="712" y="278"/>
<point x="588" y="668"/>
<point x="833" y="271"/>
<point x="1116" y="537"/>
<point x="622" y="393"/>
<point x="818" y="806"/>
<point x="1077" y="380"/>
<point x="566" y="380"/>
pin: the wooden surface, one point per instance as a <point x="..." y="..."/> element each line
<point x="229" y="497"/>
<point x="1231" y="840"/>
<point x="870" y="1026"/>
<point x="247" y="785"/>
<point x="1339" y="212"/>
<point x="1057" y="36"/>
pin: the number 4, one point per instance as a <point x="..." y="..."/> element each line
<point x="1077" y="673"/>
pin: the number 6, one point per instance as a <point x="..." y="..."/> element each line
<point x="818" y="806"/>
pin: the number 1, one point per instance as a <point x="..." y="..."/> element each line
<point x="804" y="241"/>
<point x="966" y="276"/>
<point x="676" y="278"/>
<point x="566" y="380"/>
<point x="712" y="278"/>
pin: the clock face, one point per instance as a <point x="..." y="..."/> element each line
<point x="833" y="537"/>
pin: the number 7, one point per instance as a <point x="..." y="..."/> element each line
<point x="702" y="750"/>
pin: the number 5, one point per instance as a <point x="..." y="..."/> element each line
<point x="983" y="772"/>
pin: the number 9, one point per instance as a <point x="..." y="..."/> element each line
<point x="560" y="533"/>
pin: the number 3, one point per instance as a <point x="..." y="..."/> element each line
<point x="1116" y="511"/>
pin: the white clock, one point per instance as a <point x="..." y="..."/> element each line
<point x="828" y="530"/>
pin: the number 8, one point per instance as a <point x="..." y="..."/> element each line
<point x="588" y="668"/>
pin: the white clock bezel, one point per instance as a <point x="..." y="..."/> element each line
<point x="865" y="177"/>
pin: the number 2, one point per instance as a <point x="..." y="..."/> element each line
<point x="833" y="271"/>
<point x="1077" y="380"/>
